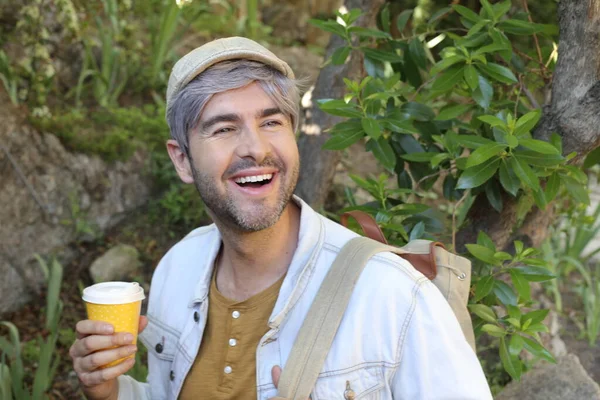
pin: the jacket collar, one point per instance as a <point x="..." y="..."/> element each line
<point x="310" y="240"/>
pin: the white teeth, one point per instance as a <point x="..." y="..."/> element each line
<point x="255" y="178"/>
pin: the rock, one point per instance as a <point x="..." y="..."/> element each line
<point x="566" y="380"/>
<point x="116" y="264"/>
<point x="305" y="64"/>
<point x="50" y="197"/>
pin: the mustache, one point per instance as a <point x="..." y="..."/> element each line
<point x="246" y="164"/>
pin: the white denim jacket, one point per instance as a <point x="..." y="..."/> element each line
<point x="398" y="339"/>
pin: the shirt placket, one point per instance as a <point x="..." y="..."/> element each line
<point x="236" y="315"/>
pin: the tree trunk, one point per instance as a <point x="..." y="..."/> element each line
<point x="317" y="166"/>
<point x="573" y="113"/>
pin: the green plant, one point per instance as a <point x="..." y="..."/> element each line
<point x="139" y="371"/>
<point x="111" y="72"/>
<point x="12" y="373"/>
<point x="447" y="106"/>
<point x="9" y="78"/>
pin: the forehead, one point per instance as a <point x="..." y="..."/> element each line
<point x="245" y="100"/>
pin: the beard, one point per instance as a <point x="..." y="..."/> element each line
<point x="252" y="218"/>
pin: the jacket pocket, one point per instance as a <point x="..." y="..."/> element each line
<point x="350" y="384"/>
<point x="159" y="339"/>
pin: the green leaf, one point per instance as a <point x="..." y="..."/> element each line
<point x="552" y="187"/>
<point x="518" y="27"/>
<point x="498" y="72"/>
<point x="329" y="26"/>
<point x="538" y="159"/>
<point x="446" y="63"/>
<point x="382" y="55"/>
<point x="484" y="240"/>
<point x="483" y="287"/>
<point x="344" y="139"/>
<point x="404" y="127"/>
<point x="592" y="159"/>
<point x="537" y="350"/>
<point x="418" y="111"/>
<point x="512" y="141"/>
<point x="371" y="127"/>
<point x="483" y="253"/>
<point x="516" y="345"/>
<point x="448" y="79"/>
<point x="477" y="27"/>
<point x="521" y="284"/>
<point x="415" y="47"/>
<point x="368" y="32"/>
<point x="438" y="159"/>
<point x="403" y="19"/>
<point x="492" y="192"/>
<point x="487" y="7"/>
<point x="527" y="122"/>
<point x="340" y="55"/>
<point x="452" y="112"/>
<point x="419" y="157"/>
<point x="501" y="8"/>
<point x="467" y="13"/>
<point x="385" y="18"/>
<point x="576" y="190"/>
<point x="484" y="312"/>
<point x="472" y="141"/>
<point x="339" y="108"/>
<point x="471" y="76"/>
<point x="484" y="93"/>
<point x="524" y="173"/>
<point x="504" y="293"/>
<point x="418" y="231"/>
<point x="540" y="198"/>
<point x="536" y="316"/>
<point x="539" y="145"/>
<point x="493" y="330"/>
<point x="383" y="152"/>
<point x="484" y="153"/>
<point x="535" y="274"/>
<point x="438" y="15"/>
<point x="477" y="176"/>
<point x="492" y="120"/>
<point x="492" y="48"/>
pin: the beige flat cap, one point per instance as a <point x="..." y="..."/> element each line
<point x="201" y="58"/>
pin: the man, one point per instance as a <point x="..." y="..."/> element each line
<point x="227" y="302"/>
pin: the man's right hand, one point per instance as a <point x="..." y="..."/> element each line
<point x="92" y="349"/>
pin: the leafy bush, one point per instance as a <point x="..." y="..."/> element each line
<point x="448" y="106"/>
<point x="12" y="356"/>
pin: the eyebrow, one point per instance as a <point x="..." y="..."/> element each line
<point x="267" y="112"/>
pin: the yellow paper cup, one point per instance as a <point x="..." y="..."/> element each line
<point x="118" y="303"/>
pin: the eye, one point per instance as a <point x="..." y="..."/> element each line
<point x="273" y="123"/>
<point x="223" y="130"/>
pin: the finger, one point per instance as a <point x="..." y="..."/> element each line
<point x="96" y="360"/>
<point x="89" y="327"/>
<point x="103" y="375"/>
<point x="143" y="323"/>
<point x="276" y="374"/>
<point x="92" y="343"/>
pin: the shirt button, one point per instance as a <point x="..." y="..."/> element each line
<point x="232" y="342"/>
<point x="159" y="348"/>
<point x="196" y="316"/>
<point x="227" y="369"/>
<point x="235" y="314"/>
<point x="172" y="375"/>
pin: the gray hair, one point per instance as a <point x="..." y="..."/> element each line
<point x="184" y="113"/>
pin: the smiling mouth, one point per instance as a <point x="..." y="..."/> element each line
<point x="254" y="181"/>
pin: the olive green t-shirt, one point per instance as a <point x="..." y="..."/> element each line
<point x="225" y="367"/>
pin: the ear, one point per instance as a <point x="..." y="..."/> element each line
<point x="180" y="161"/>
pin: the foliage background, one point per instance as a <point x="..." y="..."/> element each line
<point x="450" y="96"/>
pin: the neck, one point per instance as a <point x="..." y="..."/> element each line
<point x="250" y="262"/>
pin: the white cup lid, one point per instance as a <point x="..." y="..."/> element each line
<point x="113" y="293"/>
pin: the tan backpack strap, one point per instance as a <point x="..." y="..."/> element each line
<point x="323" y="319"/>
<point x="367" y="223"/>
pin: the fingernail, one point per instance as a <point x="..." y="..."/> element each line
<point x="132" y="349"/>
<point x="107" y="329"/>
<point x="128" y="338"/>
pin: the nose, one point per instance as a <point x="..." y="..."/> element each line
<point x="253" y="144"/>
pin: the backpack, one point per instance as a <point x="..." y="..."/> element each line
<point x="450" y="273"/>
